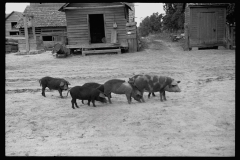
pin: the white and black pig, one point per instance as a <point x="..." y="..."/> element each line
<point x="119" y="86"/>
<point x="153" y="83"/>
<point x="86" y="93"/>
<point x="53" y="84"/>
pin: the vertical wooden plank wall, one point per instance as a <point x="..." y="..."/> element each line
<point x="132" y="37"/>
<point x="77" y="23"/>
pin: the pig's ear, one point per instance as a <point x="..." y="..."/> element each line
<point x="68" y="83"/>
<point x="101" y="95"/>
<point x="61" y="84"/>
<point x="178" y="81"/>
<point x="174" y="82"/>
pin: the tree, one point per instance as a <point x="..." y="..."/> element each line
<point x="174" y="18"/>
<point x="231" y="13"/>
<point x="150" y="24"/>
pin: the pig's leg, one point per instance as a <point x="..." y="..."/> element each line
<point x="128" y="98"/>
<point x="149" y="94"/>
<point x="93" y="102"/>
<point x="76" y="103"/>
<point x="142" y="97"/>
<point x="161" y="95"/>
<point x="73" y="101"/>
<point x="164" y="96"/>
<point x="89" y="102"/>
<point x="109" y="99"/>
<point x="60" y="92"/>
<point x="153" y="94"/>
<point x="43" y="91"/>
<point x="82" y="102"/>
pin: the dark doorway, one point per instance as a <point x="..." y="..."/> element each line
<point x="97" y="32"/>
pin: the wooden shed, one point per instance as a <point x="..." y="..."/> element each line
<point x="98" y="26"/>
<point x="205" y="25"/>
<point x="11" y="22"/>
<point x="49" y="23"/>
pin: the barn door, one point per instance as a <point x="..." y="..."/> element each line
<point x="207" y="28"/>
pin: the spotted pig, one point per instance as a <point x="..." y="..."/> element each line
<point x="154" y="83"/>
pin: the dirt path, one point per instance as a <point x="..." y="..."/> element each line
<point x="199" y="121"/>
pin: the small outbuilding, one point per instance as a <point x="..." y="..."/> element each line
<point x="11" y="22"/>
<point x="205" y="25"/>
<point x="98" y="26"/>
<point x="49" y="24"/>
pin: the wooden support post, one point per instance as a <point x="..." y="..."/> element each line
<point x="186" y="32"/>
<point x="33" y="29"/>
<point x="26" y="32"/>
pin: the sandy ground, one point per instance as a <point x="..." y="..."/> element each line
<point x="199" y="121"/>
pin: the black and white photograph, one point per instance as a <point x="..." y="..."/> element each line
<point x="120" y="79"/>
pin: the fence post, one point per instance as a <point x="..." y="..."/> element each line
<point x="26" y="32"/>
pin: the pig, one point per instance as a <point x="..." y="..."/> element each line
<point x="94" y="85"/>
<point x="134" y="77"/>
<point x="53" y="84"/>
<point x="86" y="93"/>
<point x="154" y="83"/>
<point x="119" y="86"/>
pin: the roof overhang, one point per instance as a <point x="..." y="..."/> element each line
<point x="204" y="6"/>
<point x="64" y="7"/>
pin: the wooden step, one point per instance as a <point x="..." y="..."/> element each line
<point x="101" y="51"/>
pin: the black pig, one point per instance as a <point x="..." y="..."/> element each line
<point x="53" y="84"/>
<point x="95" y="85"/>
<point x="86" y="93"/>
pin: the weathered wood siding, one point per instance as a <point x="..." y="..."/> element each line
<point x="59" y="34"/>
<point x="92" y="4"/>
<point x="33" y="44"/>
<point x="196" y="25"/>
<point x="77" y="22"/>
<point x="12" y="18"/>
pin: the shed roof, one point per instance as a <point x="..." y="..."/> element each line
<point x="16" y="12"/>
<point x="121" y="3"/>
<point x="45" y="16"/>
<point x="207" y="4"/>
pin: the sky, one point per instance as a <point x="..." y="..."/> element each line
<point x="142" y="10"/>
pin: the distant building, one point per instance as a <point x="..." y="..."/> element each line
<point x="10" y="23"/>
<point x="50" y="24"/>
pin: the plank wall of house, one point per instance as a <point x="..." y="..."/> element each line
<point x="90" y="25"/>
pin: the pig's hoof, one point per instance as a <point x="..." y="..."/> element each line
<point x="73" y="108"/>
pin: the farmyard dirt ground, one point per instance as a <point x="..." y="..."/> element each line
<point x="199" y="121"/>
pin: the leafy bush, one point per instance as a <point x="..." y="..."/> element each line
<point x="152" y="24"/>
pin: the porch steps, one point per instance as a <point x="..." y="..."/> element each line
<point x="101" y="51"/>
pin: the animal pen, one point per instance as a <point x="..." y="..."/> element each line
<point x="99" y="27"/>
<point x="205" y="26"/>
